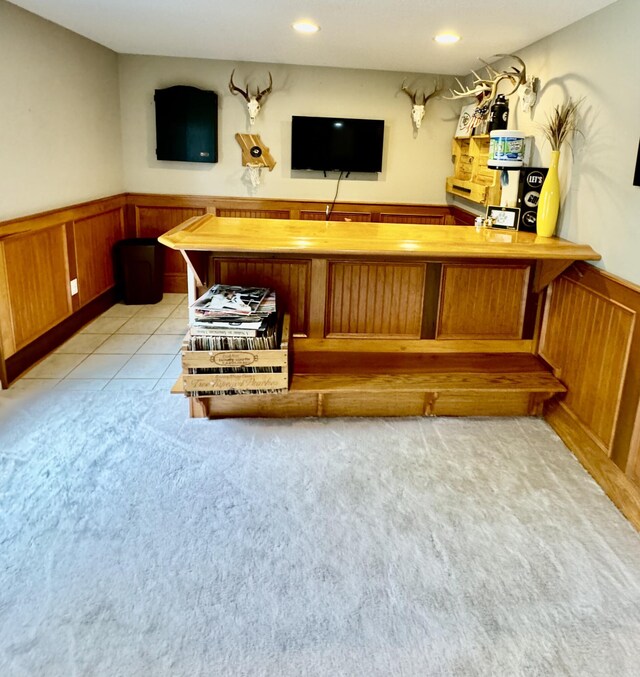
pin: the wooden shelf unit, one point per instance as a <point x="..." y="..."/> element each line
<point x="472" y="179"/>
<point x="389" y="319"/>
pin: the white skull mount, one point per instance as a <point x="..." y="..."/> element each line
<point x="253" y="107"/>
<point x="418" y="108"/>
<point x="417" y="113"/>
<point x="529" y="94"/>
<point x="253" y="100"/>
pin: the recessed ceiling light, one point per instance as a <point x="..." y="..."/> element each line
<point x="446" y="38"/>
<point x="305" y="27"/>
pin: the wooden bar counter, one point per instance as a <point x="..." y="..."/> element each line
<point x="389" y="319"/>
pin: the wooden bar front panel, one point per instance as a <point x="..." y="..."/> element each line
<point x="94" y="239"/>
<point x="289" y="278"/>
<point x="154" y="221"/>
<point x="482" y="301"/>
<point x="586" y="338"/>
<point x="375" y="299"/>
<point x="37" y="285"/>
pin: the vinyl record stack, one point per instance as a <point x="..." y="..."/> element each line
<point x="233" y="331"/>
<point x="235" y="318"/>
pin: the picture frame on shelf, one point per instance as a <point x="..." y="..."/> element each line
<point x="504" y="218"/>
<point x="465" y="122"/>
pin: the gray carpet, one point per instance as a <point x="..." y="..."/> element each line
<point x="135" y="541"/>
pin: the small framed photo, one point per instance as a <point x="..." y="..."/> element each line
<point x="466" y="122"/>
<point x="506" y="218"/>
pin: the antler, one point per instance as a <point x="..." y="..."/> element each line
<point x="479" y="89"/>
<point x="487" y="89"/>
<point x="233" y="89"/>
<point x="436" y="91"/>
<point x="425" y="97"/>
<point x="264" y="92"/>
<point x="410" y="94"/>
<point x="517" y="77"/>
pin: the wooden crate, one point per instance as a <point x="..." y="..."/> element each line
<point x="244" y="381"/>
<point x="472" y="179"/>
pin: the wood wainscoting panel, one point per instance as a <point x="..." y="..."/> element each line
<point x="94" y="238"/>
<point x="482" y="301"/>
<point x="36" y="280"/>
<point x="306" y="215"/>
<point x="586" y="338"/>
<point x="375" y="299"/>
<point x="289" y="278"/>
<point x="253" y="213"/>
<point x="154" y="221"/>
<point x="633" y="465"/>
<point x="433" y="219"/>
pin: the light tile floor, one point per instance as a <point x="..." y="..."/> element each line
<point x="125" y="348"/>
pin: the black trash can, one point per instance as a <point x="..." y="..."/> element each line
<point x="139" y="268"/>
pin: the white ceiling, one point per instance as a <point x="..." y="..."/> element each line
<point x="377" y="34"/>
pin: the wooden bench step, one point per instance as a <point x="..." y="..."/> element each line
<point x="388" y="384"/>
<point x="334" y="372"/>
<point x="534" y="382"/>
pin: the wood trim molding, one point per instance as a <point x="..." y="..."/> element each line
<point x="55" y="217"/>
<point x="367" y="344"/>
<point x="373" y="210"/>
<point x="210" y="204"/>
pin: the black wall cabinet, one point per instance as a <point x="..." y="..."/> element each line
<point x="186" y="124"/>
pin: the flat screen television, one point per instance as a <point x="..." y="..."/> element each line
<point x="336" y="144"/>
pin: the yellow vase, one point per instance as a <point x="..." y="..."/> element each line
<point x="549" y="201"/>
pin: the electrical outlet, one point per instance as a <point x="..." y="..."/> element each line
<point x="74" y="286"/>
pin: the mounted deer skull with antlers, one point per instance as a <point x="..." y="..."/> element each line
<point x="417" y="109"/>
<point x="253" y="101"/>
<point x="487" y="88"/>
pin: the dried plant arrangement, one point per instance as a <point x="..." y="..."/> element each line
<point x="561" y="123"/>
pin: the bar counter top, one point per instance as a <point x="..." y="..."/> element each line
<point x="276" y="236"/>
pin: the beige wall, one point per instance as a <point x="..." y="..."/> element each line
<point x="414" y="166"/>
<point x="59" y="116"/>
<point x="596" y="58"/>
